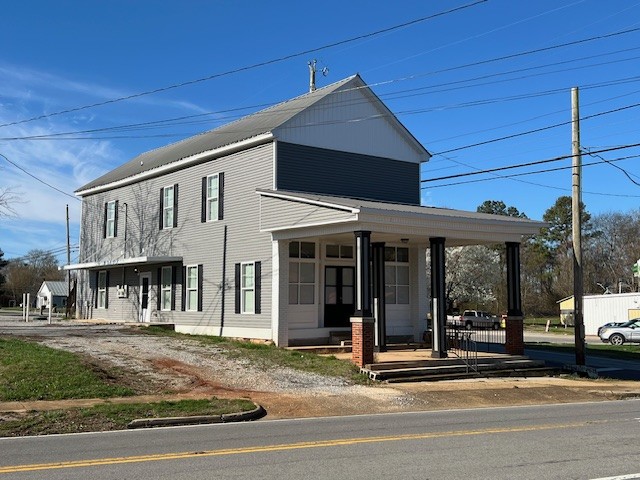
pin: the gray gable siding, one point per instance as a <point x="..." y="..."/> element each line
<point x="317" y="170"/>
<point x="196" y="242"/>
<point x="278" y="213"/>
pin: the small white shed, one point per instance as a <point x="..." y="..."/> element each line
<point x="58" y="291"/>
<point x="616" y="307"/>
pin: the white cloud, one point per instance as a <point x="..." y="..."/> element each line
<point x="65" y="164"/>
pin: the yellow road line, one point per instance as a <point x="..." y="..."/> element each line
<point x="277" y="448"/>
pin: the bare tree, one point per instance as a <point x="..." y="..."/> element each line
<point x="8" y="198"/>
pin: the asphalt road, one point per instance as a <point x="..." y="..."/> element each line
<point x="581" y="441"/>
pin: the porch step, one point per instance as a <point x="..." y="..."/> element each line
<point x="453" y="368"/>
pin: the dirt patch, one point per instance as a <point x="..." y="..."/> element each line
<point x="185" y="366"/>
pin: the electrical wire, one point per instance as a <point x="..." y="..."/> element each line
<point x="252" y="66"/>
<point x="527" y="164"/>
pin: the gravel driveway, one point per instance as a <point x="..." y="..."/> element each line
<point x="184" y="365"/>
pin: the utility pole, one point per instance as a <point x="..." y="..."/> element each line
<point x="68" y="309"/>
<point x="576" y="202"/>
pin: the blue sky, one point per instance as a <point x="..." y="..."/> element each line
<point x="58" y="56"/>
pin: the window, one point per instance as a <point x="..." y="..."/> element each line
<point x="302" y="283"/>
<point x="212" y="198"/>
<point x="247" y="287"/>
<point x="339" y="251"/>
<point x="102" y="289"/>
<point x="396" y="273"/>
<point x="169" y="207"/>
<point x="166" y="288"/>
<point x="302" y="250"/>
<point x="111" y="218"/>
<point x="192" y="288"/>
<point x="247" y="282"/>
<point x="302" y="273"/>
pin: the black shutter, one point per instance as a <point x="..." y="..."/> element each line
<point x="184" y="288"/>
<point x="106" y="290"/>
<point x="173" y="287"/>
<point x="104" y="224"/>
<point x="257" y="272"/>
<point x="203" y="198"/>
<point x="237" y="280"/>
<point x="161" y="211"/>
<point x="159" y="291"/>
<point x="115" y="221"/>
<point x="200" y="283"/>
<point x="220" y="195"/>
<point x="175" y="205"/>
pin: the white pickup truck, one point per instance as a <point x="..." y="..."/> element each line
<point x="475" y="319"/>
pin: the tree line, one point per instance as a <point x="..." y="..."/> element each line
<point x="26" y="274"/>
<point x="476" y="275"/>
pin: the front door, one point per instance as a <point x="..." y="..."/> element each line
<point x="339" y="296"/>
<point x="145" y="310"/>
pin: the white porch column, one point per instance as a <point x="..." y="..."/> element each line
<point x="280" y="292"/>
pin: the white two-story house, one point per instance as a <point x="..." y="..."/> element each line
<point x="280" y="226"/>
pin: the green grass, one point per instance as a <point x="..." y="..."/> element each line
<point x="539" y="324"/>
<point x="29" y="371"/>
<point x="269" y="356"/>
<point x="111" y="416"/>
<point x="623" y="352"/>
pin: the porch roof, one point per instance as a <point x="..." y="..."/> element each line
<point x="288" y="215"/>
<point x="122" y="262"/>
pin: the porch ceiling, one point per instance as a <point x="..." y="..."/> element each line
<point x="289" y="215"/>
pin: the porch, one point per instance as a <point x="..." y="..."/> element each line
<point x="415" y="363"/>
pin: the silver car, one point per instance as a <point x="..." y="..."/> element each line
<point x="619" y="334"/>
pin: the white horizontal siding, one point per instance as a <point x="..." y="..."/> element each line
<point x="350" y="122"/>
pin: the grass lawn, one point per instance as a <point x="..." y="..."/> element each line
<point x="539" y="324"/>
<point x="29" y="371"/>
<point x="113" y="416"/>
<point x="269" y="356"/>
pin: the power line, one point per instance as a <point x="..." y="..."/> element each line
<point x="253" y="66"/>
<point x="38" y="179"/>
<point x="521" y="165"/>
<point x="587" y="150"/>
<point x="536" y="130"/>
<point x="548" y="170"/>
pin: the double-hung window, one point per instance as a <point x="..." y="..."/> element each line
<point x="166" y="287"/>
<point x="302" y="273"/>
<point x="396" y="273"/>
<point x="102" y="289"/>
<point x="212" y="197"/>
<point x="192" y="288"/>
<point x="248" y="277"/>
<point x="247" y="288"/>
<point x="169" y="207"/>
<point x="110" y="219"/>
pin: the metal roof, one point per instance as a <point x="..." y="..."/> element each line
<point x="245" y="128"/>
<point x="57" y="289"/>
<point x="379" y="207"/>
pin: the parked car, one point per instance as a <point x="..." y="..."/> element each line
<point x="619" y="334"/>
<point x="607" y="325"/>
<point x="475" y="318"/>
